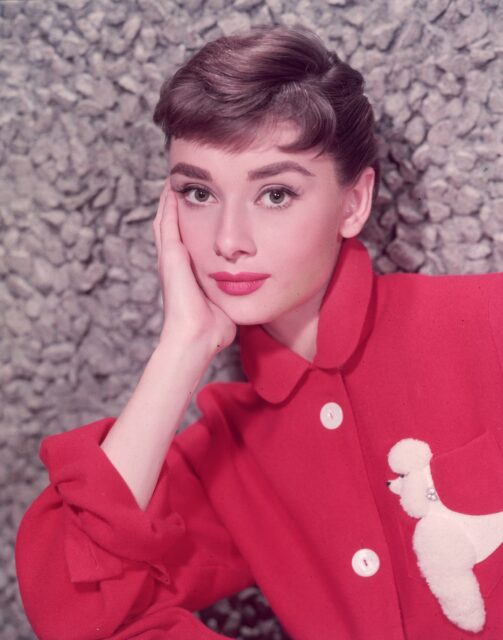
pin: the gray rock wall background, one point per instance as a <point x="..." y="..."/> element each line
<point x="81" y="170"/>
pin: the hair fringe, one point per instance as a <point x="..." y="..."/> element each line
<point x="254" y="80"/>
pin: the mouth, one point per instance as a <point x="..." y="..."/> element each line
<point x="239" y="284"/>
<point x="223" y="276"/>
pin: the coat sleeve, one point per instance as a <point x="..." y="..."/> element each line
<point x="92" y="564"/>
<point x="496" y="322"/>
<point x="496" y="313"/>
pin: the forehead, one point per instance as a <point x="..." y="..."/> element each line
<point x="265" y="145"/>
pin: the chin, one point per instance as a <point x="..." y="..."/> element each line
<point x="247" y="312"/>
<point x="248" y="317"/>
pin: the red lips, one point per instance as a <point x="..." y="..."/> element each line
<point x="245" y="276"/>
<point x="239" y="284"/>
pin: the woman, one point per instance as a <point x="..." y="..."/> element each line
<point x="285" y="480"/>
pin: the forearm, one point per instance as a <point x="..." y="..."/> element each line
<point x="139" y="440"/>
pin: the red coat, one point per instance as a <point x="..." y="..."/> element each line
<point x="283" y="482"/>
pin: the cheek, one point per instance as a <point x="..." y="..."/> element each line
<point x="317" y="244"/>
<point x="306" y="264"/>
<point x="192" y="237"/>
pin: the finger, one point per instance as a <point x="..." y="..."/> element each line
<point x="156" y="224"/>
<point x="169" y="229"/>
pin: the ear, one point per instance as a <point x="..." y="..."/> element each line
<point x="358" y="204"/>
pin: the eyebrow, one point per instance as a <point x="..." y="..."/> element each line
<point x="191" y="171"/>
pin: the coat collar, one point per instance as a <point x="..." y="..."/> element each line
<point x="274" y="370"/>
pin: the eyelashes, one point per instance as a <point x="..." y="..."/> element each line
<point x="289" y="191"/>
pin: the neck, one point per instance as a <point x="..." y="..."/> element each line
<point x="299" y="339"/>
<point x="298" y="329"/>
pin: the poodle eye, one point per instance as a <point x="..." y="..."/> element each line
<point x="402" y="475"/>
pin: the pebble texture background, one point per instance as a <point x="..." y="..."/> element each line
<point x="81" y="170"/>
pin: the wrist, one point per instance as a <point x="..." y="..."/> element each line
<point x="183" y="344"/>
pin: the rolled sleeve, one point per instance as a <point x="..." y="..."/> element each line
<point x="103" y="523"/>
<point x="90" y="559"/>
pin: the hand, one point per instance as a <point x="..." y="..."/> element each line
<point x="188" y="312"/>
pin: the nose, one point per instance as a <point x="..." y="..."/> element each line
<point x="233" y="237"/>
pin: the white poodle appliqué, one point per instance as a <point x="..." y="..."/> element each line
<point x="447" y="543"/>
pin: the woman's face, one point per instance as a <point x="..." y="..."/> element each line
<point x="240" y="213"/>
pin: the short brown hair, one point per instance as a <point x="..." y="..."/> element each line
<point x="237" y="84"/>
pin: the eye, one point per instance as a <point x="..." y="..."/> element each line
<point x="278" y="197"/>
<point x="200" y="195"/>
<point x="402" y="475"/>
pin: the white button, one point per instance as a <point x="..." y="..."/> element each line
<point x="365" y="562"/>
<point x="331" y="415"/>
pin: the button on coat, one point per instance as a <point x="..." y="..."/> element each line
<point x="365" y="563"/>
<point x="331" y="415"/>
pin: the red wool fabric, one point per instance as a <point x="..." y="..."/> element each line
<point x="261" y="491"/>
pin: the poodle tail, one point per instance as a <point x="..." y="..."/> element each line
<point x="446" y="558"/>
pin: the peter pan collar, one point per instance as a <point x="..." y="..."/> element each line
<point x="274" y="370"/>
